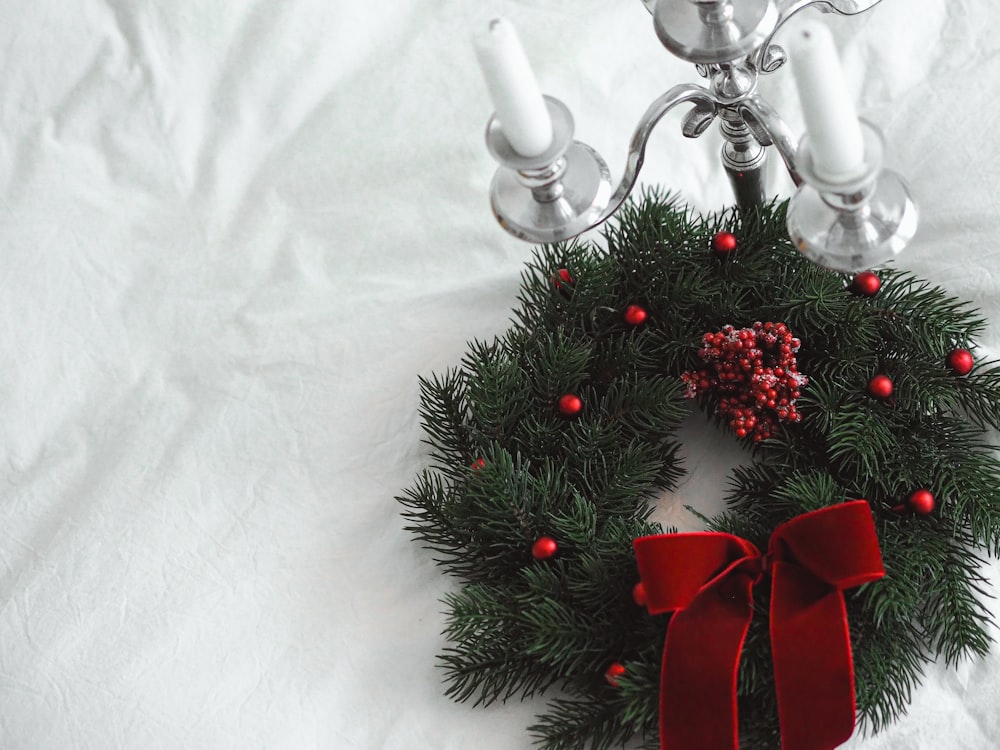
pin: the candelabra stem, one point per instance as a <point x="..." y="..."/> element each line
<point x="744" y="159"/>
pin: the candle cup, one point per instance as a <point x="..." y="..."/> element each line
<point x="854" y="225"/>
<point x="555" y="195"/>
<point x="713" y="31"/>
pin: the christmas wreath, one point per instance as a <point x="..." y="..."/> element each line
<point x="870" y="484"/>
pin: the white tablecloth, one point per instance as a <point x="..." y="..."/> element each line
<point x="232" y="235"/>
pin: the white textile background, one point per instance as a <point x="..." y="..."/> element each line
<point x="232" y="235"/>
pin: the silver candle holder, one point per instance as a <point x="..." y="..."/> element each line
<point x="846" y="226"/>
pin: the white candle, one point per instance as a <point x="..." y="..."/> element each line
<point x="518" y="101"/>
<point x="837" y="145"/>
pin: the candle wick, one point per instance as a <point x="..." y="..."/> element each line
<point x="494" y="23"/>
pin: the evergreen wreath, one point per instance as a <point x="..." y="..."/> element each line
<point x="548" y="443"/>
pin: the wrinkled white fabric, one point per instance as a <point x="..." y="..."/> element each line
<point x="232" y="235"/>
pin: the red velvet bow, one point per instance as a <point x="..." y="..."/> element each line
<point x="707" y="580"/>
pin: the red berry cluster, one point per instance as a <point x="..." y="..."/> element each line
<point x="755" y="374"/>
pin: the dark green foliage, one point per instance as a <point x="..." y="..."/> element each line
<point x="507" y="469"/>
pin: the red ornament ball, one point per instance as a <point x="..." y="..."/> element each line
<point x="960" y="361"/>
<point x="724" y="242"/>
<point x="866" y="284"/>
<point x="921" y="502"/>
<point x="880" y="386"/>
<point x="570" y="405"/>
<point x="544" y="548"/>
<point x="615" y="670"/>
<point x="635" y="315"/>
<point x="639" y="594"/>
<point x="561" y="277"/>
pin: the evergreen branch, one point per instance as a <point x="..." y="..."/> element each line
<point x="979" y="394"/>
<point x="485" y="664"/>
<point x="911" y="306"/>
<point x="497" y="392"/>
<point x="555" y="364"/>
<point x="444" y="414"/>
<point x="888" y="665"/>
<point x="859" y="439"/>
<point x="952" y="611"/>
<point x="425" y="505"/>
<point x="615" y="480"/>
<point x="640" y="687"/>
<point x="574" y="724"/>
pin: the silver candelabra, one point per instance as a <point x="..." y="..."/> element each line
<point x="846" y="224"/>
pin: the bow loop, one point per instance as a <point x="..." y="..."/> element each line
<point x="837" y="544"/>
<point x="695" y="560"/>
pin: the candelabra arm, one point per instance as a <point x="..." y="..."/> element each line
<point x="788" y="8"/>
<point x="769" y="129"/>
<point x="685" y="92"/>
<point x="843" y="7"/>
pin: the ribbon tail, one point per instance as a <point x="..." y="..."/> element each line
<point x="813" y="668"/>
<point x="700" y="661"/>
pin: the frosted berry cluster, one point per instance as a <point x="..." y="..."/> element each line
<point x="754" y="373"/>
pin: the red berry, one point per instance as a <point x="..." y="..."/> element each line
<point x="570" y="405"/>
<point x="544" y="548"/>
<point x="615" y="670"/>
<point x="639" y="594"/>
<point x="724" y="242"/>
<point x="635" y="315"/>
<point x="561" y="277"/>
<point x="479" y="463"/>
<point x="921" y="502"/>
<point x="880" y="386"/>
<point x="960" y="361"/>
